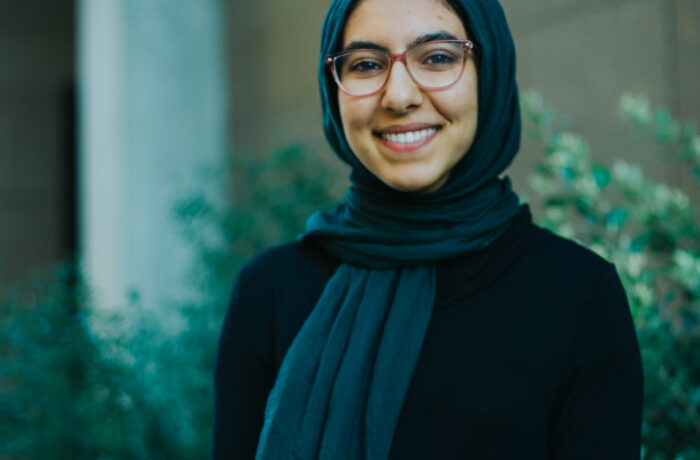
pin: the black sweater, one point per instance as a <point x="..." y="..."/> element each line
<point x="530" y="353"/>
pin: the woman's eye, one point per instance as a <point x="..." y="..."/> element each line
<point x="365" y="66"/>
<point x="439" y="59"/>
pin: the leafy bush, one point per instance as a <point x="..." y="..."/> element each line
<point x="60" y="395"/>
<point x="257" y="203"/>
<point x="81" y="382"/>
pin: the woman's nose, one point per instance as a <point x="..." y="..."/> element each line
<point x="400" y="92"/>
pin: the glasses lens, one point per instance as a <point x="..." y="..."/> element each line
<point x="436" y="64"/>
<point x="362" y="71"/>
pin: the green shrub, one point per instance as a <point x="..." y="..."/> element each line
<point x="80" y="382"/>
<point x="61" y="396"/>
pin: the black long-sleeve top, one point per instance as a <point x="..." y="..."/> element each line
<point x="530" y="353"/>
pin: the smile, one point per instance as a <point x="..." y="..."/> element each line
<point x="408" y="140"/>
<point x="409" y="137"/>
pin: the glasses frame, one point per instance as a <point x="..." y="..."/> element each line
<point x="470" y="50"/>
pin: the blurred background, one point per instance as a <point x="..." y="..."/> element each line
<point x="149" y="148"/>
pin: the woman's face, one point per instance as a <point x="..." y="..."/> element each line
<point x="402" y="106"/>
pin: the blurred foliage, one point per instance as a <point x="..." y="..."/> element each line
<point x="260" y="201"/>
<point x="84" y="382"/>
<point x="60" y="395"/>
<point x="650" y="231"/>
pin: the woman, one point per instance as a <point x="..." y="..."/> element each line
<point x="426" y="316"/>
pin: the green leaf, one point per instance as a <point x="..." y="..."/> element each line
<point x="617" y="218"/>
<point x="602" y="176"/>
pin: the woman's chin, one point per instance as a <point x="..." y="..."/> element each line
<point x="417" y="184"/>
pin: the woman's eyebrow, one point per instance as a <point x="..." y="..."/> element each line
<point x="440" y="35"/>
<point x="365" y="45"/>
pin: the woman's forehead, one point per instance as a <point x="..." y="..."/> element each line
<point x="396" y="23"/>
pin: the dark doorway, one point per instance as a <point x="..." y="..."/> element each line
<point x="37" y="135"/>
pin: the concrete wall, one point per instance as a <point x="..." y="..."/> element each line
<point x="36" y="135"/>
<point x="582" y="54"/>
<point x="273" y="52"/>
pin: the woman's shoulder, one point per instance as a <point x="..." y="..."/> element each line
<point x="577" y="286"/>
<point x="564" y="260"/>
<point x="289" y="263"/>
<point x="562" y="250"/>
<point x="277" y="289"/>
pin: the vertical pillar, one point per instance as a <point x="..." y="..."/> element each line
<point x="152" y="113"/>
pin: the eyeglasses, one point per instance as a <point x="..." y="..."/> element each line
<point x="432" y="65"/>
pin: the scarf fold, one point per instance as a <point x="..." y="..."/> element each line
<point x="340" y="388"/>
<point x="341" y="385"/>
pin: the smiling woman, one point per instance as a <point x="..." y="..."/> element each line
<point x="426" y="316"/>
<point x="407" y="136"/>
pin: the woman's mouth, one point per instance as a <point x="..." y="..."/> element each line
<point x="407" y="141"/>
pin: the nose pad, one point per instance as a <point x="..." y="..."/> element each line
<point x="400" y="91"/>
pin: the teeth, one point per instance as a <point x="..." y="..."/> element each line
<point x="409" y="137"/>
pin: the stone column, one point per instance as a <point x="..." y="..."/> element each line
<point x="152" y="112"/>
